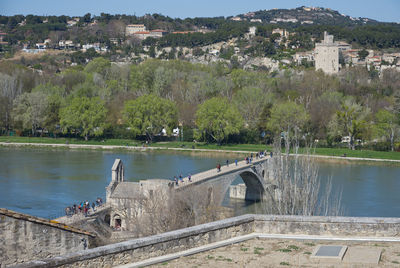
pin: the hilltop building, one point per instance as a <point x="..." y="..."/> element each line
<point x="134" y="28"/>
<point x="327" y="55"/>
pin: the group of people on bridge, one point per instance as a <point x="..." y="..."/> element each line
<point x="180" y="179"/>
<point x="248" y="159"/>
<point x="83" y="208"/>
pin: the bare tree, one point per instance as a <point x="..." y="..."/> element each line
<point x="296" y="188"/>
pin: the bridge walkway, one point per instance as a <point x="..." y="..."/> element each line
<point x="205" y="175"/>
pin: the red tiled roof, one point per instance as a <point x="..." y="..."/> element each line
<point x="142" y="32"/>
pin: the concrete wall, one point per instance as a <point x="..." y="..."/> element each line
<point x="22" y="240"/>
<point x="179" y="240"/>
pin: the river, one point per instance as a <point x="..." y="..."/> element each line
<point x="43" y="182"/>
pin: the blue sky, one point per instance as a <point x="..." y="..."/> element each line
<point x="382" y="10"/>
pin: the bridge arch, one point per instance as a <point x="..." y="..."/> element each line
<point x="254" y="185"/>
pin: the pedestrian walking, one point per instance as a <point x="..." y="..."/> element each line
<point x="227" y="162"/>
<point x="236" y="162"/>
<point x="176" y="180"/>
<point x="190" y="177"/>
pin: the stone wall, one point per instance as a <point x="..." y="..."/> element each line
<point x="331" y="226"/>
<point x="152" y="246"/>
<point x="22" y="240"/>
<point x="179" y="240"/>
<point x="237" y="191"/>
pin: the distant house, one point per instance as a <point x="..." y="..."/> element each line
<point x="71" y="23"/>
<point x="256" y="20"/>
<point x="299" y="57"/>
<point x="236" y="19"/>
<point x="282" y="32"/>
<point x="41" y="45"/>
<point x="157" y="33"/>
<point x="142" y="35"/>
<point x="63" y="44"/>
<point x="183" y="32"/>
<point x="134" y="28"/>
<point x="69" y="44"/>
<point x="2" y="35"/>
<point x="114" y="41"/>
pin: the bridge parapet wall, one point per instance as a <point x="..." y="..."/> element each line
<point x="172" y="242"/>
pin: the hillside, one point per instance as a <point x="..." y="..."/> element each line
<point x="305" y="15"/>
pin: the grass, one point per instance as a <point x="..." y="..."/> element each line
<point x="202" y="145"/>
<point x="258" y="250"/>
<point x="396" y="262"/>
<point x="293" y="247"/>
<point x="307" y="253"/>
<point x="244" y="249"/>
<point x="285" y="263"/>
<point x="309" y="244"/>
<point x="285" y="250"/>
<point x="221" y="258"/>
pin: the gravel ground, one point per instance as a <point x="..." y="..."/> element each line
<point x="283" y="253"/>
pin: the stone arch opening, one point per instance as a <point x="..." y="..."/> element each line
<point x="254" y="186"/>
<point x="107" y="219"/>
<point x="117" y="222"/>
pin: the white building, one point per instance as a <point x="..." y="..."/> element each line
<point x="133" y="28"/>
<point x="327" y="55"/>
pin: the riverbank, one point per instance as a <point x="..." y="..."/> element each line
<point x="339" y="155"/>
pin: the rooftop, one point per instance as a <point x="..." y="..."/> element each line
<point x="126" y="190"/>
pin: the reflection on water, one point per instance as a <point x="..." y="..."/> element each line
<point x="42" y="182"/>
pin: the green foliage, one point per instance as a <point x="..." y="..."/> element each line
<point x="149" y="114"/>
<point x="288" y="117"/>
<point x="85" y="116"/>
<point x="362" y="54"/>
<point x="217" y="118"/>
<point x="31" y="110"/>
<point x="350" y="120"/>
<point x="98" y="65"/>
<point x="250" y="101"/>
<point x="388" y="125"/>
<point x="285" y="250"/>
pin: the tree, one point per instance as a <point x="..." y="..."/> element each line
<point x="86" y="115"/>
<point x="250" y="101"/>
<point x="362" y="54"/>
<point x="217" y="118"/>
<point x="98" y="65"/>
<point x="87" y="17"/>
<point x="387" y="125"/>
<point x="296" y="187"/>
<point x="31" y="110"/>
<point x="288" y="117"/>
<point x="350" y="120"/>
<point x="149" y="114"/>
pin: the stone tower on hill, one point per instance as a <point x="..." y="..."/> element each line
<point x="327" y="55"/>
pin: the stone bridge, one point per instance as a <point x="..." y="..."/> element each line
<point x="216" y="183"/>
